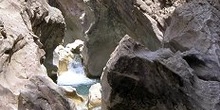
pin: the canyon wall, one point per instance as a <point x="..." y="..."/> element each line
<point x="28" y="27"/>
<point x="168" y="58"/>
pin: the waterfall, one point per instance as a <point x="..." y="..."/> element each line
<point x="72" y="77"/>
<point x="75" y="76"/>
<point x="70" y="67"/>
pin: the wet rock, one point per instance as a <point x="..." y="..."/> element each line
<point x="63" y="56"/>
<point x="138" y="79"/>
<point x="71" y="93"/>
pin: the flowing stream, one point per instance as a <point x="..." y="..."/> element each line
<point x="76" y="77"/>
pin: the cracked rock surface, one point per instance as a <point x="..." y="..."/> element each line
<point x="182" y="76"/>
<point x="136" y="78"/>
<point x="24" y="83"/>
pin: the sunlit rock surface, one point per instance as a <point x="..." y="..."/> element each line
<point x="94" y="97"/>
<point x="174" y="65"/>
<point x="23" y="81"/>
<point x="47" y="25"/>
<point x="62" y="58"/>
<point x="71" y="93"/>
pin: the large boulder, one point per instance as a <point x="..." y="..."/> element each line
<point x="138" y="79"/>
<point x="194" y="29"/>
<point x="24" y="83"/>
<point x="43" y="94"/>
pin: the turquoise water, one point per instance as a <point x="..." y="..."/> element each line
<point x="83" y="89"/>
<point x="76" y="77"/>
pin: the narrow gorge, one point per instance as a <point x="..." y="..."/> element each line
<point x="109" y="55"/>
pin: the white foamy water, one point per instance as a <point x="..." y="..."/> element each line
<point x="75" y="75"/>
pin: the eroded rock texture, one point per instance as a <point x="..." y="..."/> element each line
<point x="138" y="79"/>
<point x="23" y="79"/>
<point x="195" y="29"/>
<point x="48" y="24"/>
<point x="185" y="79"/>
<point x="102" y="23"/>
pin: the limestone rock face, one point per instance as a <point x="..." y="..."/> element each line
<point x="138" y="79"/>
<point x="24" y="83"/>
<point x="48" y="24"/>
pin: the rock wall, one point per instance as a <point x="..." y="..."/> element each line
<point x="114" y="19"/>
<point x="43" y="20"/>
<point x="26" y="27"/>
<point x="182" y="76"/>
<point x="78" y="17"/>
<point x="198" y="35"/>
<point x="102" y="23"/>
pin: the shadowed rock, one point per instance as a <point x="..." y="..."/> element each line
<point x="137" y="79"/>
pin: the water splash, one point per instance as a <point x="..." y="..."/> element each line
<point x="75" y="75"/>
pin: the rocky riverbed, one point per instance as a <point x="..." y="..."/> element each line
<point x="148" y="54"/>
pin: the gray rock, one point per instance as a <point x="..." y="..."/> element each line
<point x="48" y="24"/>
<point x="78" y="17"/>
<point x="143" y="21"/>
<point x="42" y="94"/>
<point x="194" y="29"/>
<point x="7" y="99"/>
<point x="138" y="79"/>
<point x="24" y="83"/>
<point x="101" y="24"/>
